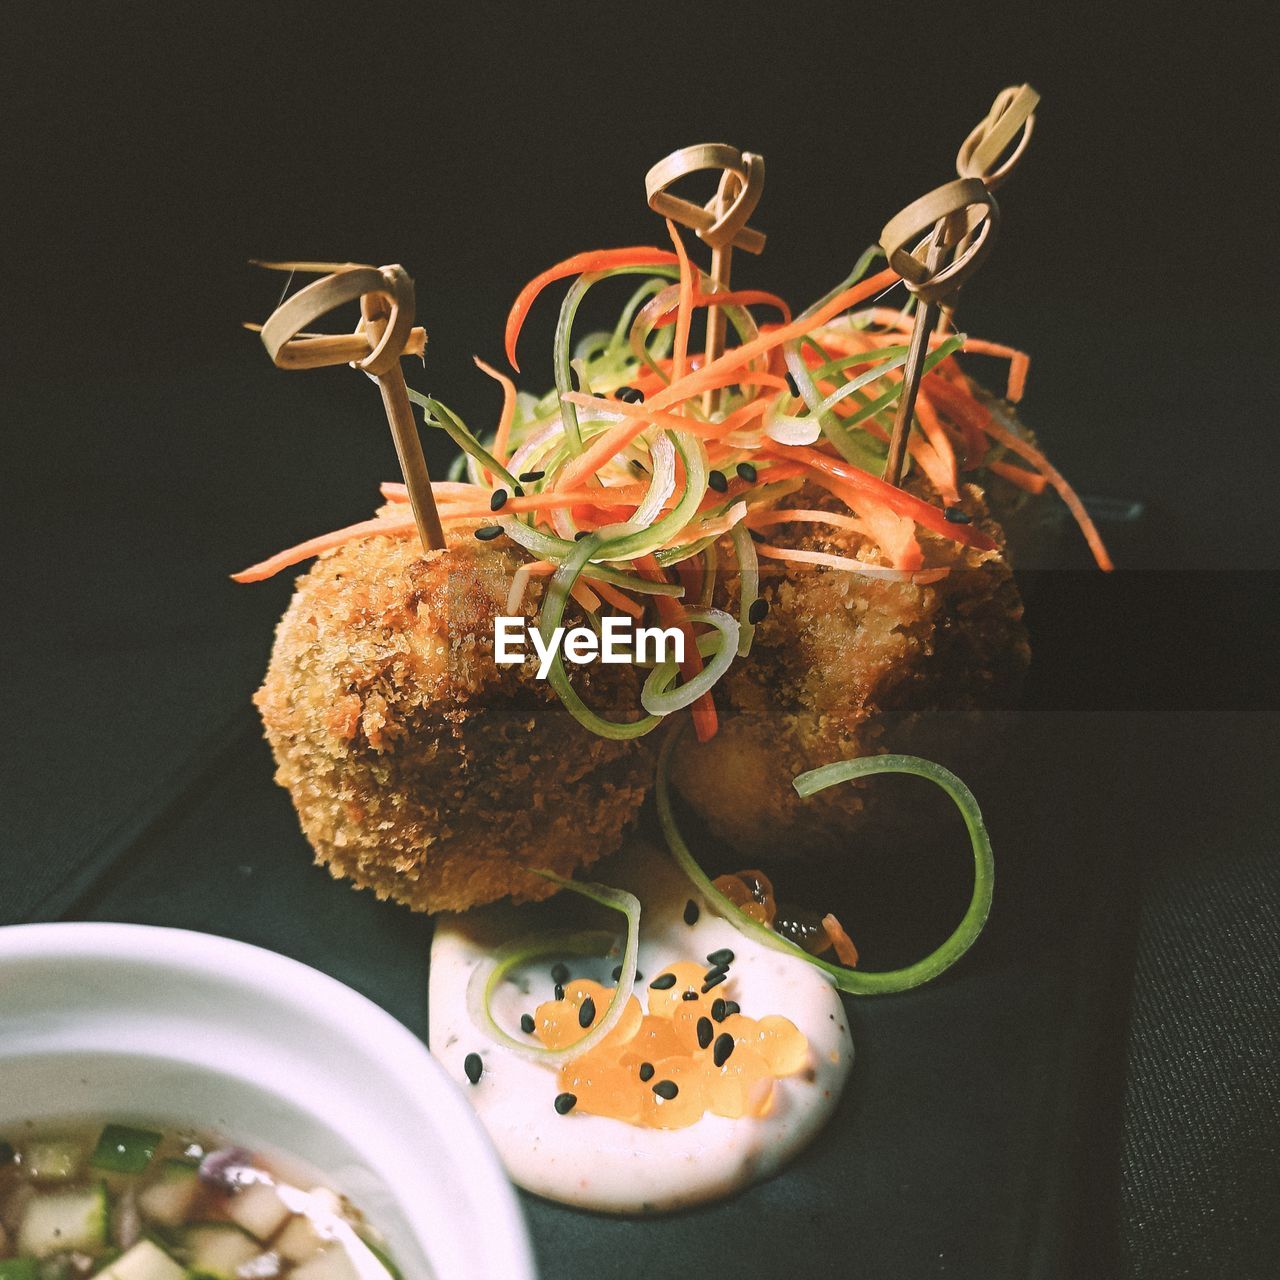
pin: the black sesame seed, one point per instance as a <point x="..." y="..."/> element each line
<point x="689" y="995"/>
<point x="705" y="1032"/>
<point x="518" y="491"/>
<point x="632" y="395"/>
<point x="559" y="972"/>
<point x="473" y="1065"/>
<point x="723" y="1048"/>
<point x="559" y="993"/>
<point x="691" y="912"/>
<point x="746" y="472"/>
<point x="718" y="1010"/>
<point x="487" y="532"/>
<point x="792" y="385"/>
<point x="565" y="1102"/>
<point x="718" y="958"/>
<point x="716" y="971"/>
<point x="731" y="1007"/>
<point x="582" y="533"/>
<point x="646" y="1071"/>
<point x="574" y="380"/>
<point x="758" y="612"/>
<point x="586" y="1012"/>
<point x="663" y="982"/>
<point x="714" y="981"/>
<point x="530" y="476"/>
<point x="527" y="1023"/>
<point x="497" y="500"/>
<point x="716" y="480"/>
<point x="666" y="1089"/>
<point x="617" y="974"/>
<point x="957" y="515"/>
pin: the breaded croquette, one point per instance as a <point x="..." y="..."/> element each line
<point x="419" y="768"/>
<point x="845" y="665"/>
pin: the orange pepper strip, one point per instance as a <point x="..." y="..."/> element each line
<point x="579" y="264"/>
<point x="671" y="613"/>
<point x="508" y="411"/>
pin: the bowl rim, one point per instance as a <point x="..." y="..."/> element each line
<point x="403" y="1054"/>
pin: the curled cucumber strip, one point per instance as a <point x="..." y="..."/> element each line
<point x="486" y="978"/>
<point x="806" y="784"/>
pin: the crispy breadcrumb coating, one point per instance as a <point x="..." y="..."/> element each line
<point x="421" y="769"/>
<point x="844" y="666"/>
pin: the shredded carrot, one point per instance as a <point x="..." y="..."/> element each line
<point x="828" y="560"/>
<point x="806" y="515"/>
<point x="734" y="298"/>
<point x="680" y="353"/>
<point x="579" y="264"/>
<point x="1031" y="481"/>
<point x="620" y="600"/>
<point x="508" y="410"/>
<point x="874" y="490"/>
<point x="846" y="952"/>
<point x="325" y="542"/>
<point x="693" y="384"/>
<point x="963" y="404"/>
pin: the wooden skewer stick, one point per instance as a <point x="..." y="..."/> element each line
<point x="968" y="237"/>
<point x="961" y="218"/>
<point x="384" y="335"/>
<point x="721" y="222"/>
<point x="926" y="319"/>
<point x="1013" y="111"/>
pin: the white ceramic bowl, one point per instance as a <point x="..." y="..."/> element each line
<point x="130" y="1022"/>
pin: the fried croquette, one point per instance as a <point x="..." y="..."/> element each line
<point x="845" y="665"/>
<point x="420" y="768"/>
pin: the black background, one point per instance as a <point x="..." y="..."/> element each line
<point x="151" y="150"/>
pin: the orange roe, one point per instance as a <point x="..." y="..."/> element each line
<point x="666" y="1068"/>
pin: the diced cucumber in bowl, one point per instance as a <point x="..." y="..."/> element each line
<point x="258" y="1209"/>
<point x="122" y="1149"/>
<point x="52" y="1159"/>
<point x="145" y="1261"/>
<point x="168" y="1200"/>
<point x="216" y="1249"/>
<point x="333" y="1264"/>
<point x="56" y="1221"/>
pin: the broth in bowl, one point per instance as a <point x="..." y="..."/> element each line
<point x="129" y="1202"/>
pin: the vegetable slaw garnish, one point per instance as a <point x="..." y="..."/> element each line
<point x="617" y="482"/>
<point x="809" y="783"/>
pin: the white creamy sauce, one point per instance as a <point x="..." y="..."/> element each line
<point x="598" y="1162"/>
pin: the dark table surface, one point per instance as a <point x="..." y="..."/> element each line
<point x="1094" y="1091"/>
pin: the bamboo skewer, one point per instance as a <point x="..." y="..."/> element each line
<point x="720" y="223"/>
<point x="964" y="217"/>
<point x="385" y="334"/>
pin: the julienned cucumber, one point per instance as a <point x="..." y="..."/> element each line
<point x="61" y="1220"/>
<point x="214" y="1250"/>
<point x="121" y="1149"/>
<point x="52" y="1159"/>
<point x="168" y="1200"/>
<point x="18" y="1269"/>
<point x="145" y="1261"/>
